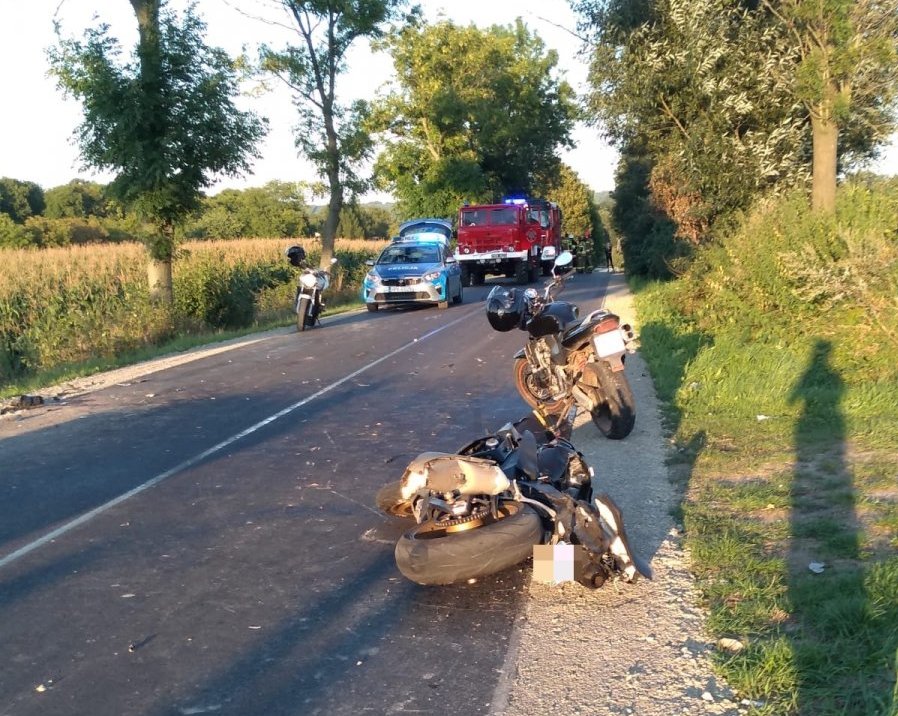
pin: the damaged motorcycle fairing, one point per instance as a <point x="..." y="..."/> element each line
<point x="597" y="528"/>
<point x="449" y="473"/>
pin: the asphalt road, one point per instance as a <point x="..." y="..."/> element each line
<point x="202" y="539"/>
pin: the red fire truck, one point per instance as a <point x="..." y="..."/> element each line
<point x="517" y="238"/>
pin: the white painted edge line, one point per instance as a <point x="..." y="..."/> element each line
<point x="89" y="515"/>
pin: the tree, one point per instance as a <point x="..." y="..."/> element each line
<point x="276" y="209"/>
<point x="475" y="114"/>
<point x="703" y="88"/>
<point x="579" y="212"/>
<point x="846" y="72"/>
<point x="329" y="134"/>
<point x="20" y="199"/>
<point x="165" y="121"/>
<point x="76" y="200"/>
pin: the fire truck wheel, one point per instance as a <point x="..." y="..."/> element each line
<point x="521" y="273"/>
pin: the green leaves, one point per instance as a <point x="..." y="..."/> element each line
<point x="331" y="135"/>
<point x="474" y="114"/>
<point x="164" y="121"/>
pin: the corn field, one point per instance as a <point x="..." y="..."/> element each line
<point x="66" y="305"/>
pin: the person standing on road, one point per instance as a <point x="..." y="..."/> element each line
<point x="609" y="261"/>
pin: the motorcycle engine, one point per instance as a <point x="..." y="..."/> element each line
<point x="544" y="350"/>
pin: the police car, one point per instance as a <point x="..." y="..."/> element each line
<point x="417" y="267"/>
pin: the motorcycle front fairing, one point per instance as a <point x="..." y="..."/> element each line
<point x="447" y="473"/>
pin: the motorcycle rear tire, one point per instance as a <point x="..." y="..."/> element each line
<point x="616" y="415"/>
<point x="390" y="501"/>
<point x="302" y="312"/>
<point x="523" y="380"/>
<point x="431" y="557"/>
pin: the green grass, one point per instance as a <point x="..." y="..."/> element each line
<point x="784" y="453"/>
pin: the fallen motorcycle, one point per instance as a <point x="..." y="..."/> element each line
<point x="568" y="363"/>
<point x="481" y="510"/>
<point x="308" y="303"/>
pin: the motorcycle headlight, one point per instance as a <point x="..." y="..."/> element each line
<point x="432" y="276"/>
<point x="309" y="280"/>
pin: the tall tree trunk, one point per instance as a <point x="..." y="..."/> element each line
<point x="335" y="204"/>
<point x="825" y="133"/>
<point x="159" y="276"/>
<point x="159" y="269"/>
<point x="149" y="51"/>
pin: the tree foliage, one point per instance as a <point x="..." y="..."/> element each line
<point x="164" y="121"/>
<point x="20" y="199"/>
<point x="703" y="89"/>
<point x="715" y="97"/>
<point x="475" y="114"/>
<point x="846" y="55"/>
<point x="76" y="200"/>
<point x="580" y="216"/>
<point x="329" y="133"/>
<point x="276" y="209"/>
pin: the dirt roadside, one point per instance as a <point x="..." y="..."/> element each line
<point x="621" y="649"/>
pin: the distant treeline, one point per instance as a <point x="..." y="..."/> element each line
<point x="83" y="212"/>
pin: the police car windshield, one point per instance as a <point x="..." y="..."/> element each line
<point x="409" y="255"/>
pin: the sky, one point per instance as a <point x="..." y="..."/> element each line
<point x="37" y="122"/>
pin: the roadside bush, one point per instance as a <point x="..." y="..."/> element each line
<point x="13" y="235"/>
<point x="788" y="273"/>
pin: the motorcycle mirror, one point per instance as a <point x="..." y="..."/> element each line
<point x="563" y="264"/>
<point x="564" y="258"/>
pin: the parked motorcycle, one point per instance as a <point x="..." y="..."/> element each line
<point x="567" y="363"/>
<point x="308" y="303"/>
<point x="481" y="510"/>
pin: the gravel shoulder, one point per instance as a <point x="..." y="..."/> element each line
<point x="624" y="648"/>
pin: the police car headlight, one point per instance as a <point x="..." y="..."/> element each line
<point x="432" y="276"/>
<point x="372" y="278"/>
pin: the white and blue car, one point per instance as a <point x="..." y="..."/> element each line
<point x="417" y="267"/>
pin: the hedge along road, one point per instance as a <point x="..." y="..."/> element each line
<point x="203" y="539"/>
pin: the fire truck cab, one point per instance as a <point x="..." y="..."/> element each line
<point x="518" y="238"/>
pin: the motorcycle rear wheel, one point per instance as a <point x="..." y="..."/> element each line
<point x="390" y="501"/>
<point x="431" y="555"/>
<point x="616" y="415"/>
<point x="535" y="395"/>
<point x="302" y="312"/>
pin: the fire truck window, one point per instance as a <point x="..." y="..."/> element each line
<point x="471" y="218"/>
<point x="503" y="217"/>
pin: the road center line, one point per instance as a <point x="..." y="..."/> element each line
<point x="88" y="516"/>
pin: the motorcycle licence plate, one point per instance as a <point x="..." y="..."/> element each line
<point x="608" y="344"/>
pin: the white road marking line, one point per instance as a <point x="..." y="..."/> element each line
<point x="88" y="516"/>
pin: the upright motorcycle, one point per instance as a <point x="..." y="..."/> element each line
<point x="568" y="362"/>
<point x="481" y="510"/>
<point x="308" y="303"/>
